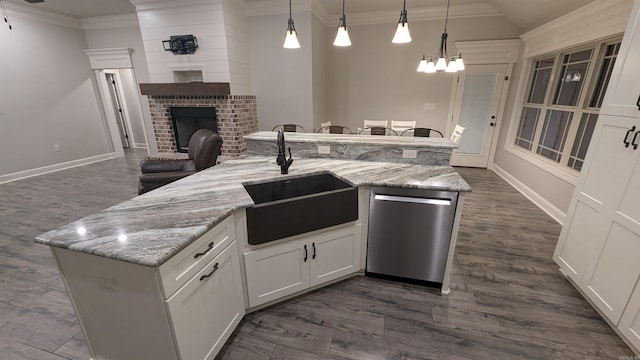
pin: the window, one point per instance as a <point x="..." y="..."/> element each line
<point x="560" y="111"/>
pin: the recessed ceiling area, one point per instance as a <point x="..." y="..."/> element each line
<point x="526" y="14"/>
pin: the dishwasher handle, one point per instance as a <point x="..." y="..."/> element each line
<point x="415" y="200"/>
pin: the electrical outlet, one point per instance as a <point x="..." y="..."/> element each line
<point x="56" y="147"/>
<point x="409" y="154"/>
<point x="324" y="149"/>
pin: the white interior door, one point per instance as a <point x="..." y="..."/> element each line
<point x="477" y="106"/>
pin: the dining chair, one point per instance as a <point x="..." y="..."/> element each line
<point x="334" y="129"/>
<point x="420" y="132"/>
<point x="289" y="128"/>
<point x="379" y="123"/>
<point x="402" y="125"/>
<point x="378" y="130"/>
<point x="457" y="134"/>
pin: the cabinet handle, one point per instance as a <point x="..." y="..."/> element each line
<point x="638" y="103"/>
<point x="305" y="253"/>
<point x="215" y="268"/>
<point x="314" y="247"/>
<point x="626" y="137"/>
<point x="634" y="142"/>
<point x="197" y="255"/>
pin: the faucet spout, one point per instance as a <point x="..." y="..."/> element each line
<point x="282" y="160"/>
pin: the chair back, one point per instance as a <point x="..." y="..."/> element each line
<point x="421" y="132"/>
<point x="402" y="125"/>
<point x="377" y="123"/>
<point x="379" y="130"/>
<point x="334" y="129"/>
<point x="289" y="128"/>
<point x="457" y="134"/>
<point x="204" y="147"/>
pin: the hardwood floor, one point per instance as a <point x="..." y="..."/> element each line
<point x="508" y="298"/>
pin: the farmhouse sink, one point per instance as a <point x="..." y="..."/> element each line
<point x="298" y="205"/>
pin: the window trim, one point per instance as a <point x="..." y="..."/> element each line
<point x="559" y="170"/>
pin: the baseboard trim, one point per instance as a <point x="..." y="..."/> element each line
<point x="544" y="205"/>
<point x="55" y="167"/>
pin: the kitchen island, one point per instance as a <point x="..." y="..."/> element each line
<point x="164" y="275"/>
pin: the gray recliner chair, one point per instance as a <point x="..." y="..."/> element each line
<point x="204" y="147"/>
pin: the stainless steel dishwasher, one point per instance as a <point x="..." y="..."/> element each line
<point x="409" y="232"/>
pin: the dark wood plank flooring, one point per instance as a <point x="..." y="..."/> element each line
<point x="508" y="299"/>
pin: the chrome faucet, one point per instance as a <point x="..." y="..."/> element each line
<point x="282" y="156"/>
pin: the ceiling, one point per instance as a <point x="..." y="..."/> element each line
<point x="526" y="14"/>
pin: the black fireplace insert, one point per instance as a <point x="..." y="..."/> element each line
<point x="186" y="120"/>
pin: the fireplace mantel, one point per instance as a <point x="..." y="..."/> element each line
<point x="186" y="89"/>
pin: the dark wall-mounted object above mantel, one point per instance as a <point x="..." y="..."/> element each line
<point x="181" y="44"/>
<point x="186" y="89"/>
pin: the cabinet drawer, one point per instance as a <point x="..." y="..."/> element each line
<point x="181" y="267"/>
<point x="207" y="309"/>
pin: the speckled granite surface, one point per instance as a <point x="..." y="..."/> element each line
<point x="429" y="151"/>
<point x="150" y="228"/>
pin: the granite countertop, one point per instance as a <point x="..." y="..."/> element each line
<point x="430" y="142"/>
<point x="151" y="228"/>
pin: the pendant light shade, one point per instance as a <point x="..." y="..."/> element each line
<point x="342" y="37"/>
<point x="422" y="66"/>
<point x="444" y="62"/>
<point x="291" y="37"/>
<point x="402" y="35"/>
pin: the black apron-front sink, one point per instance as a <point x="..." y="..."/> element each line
<point x="298" y="205"/>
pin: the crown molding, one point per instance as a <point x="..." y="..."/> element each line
<point x="110" y="22"/>
<point x="432" y="13"/>
<point x="490" y="51"/>
<point x="114" y="58"/>
<point x="276" y="7"/>
<point x="147" y="5"/>
<point x="597" y="20"/>
<point x="32" y="13"/>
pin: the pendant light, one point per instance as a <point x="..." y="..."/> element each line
<point x="342" y="37"/>
<point x="402" y="35"/>
<point x="442" y="62"/>
<point x="291" y="37"/>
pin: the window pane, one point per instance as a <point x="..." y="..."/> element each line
<point x="571" y="79"/>
<point x="527" y="128"/>
<point x="554" y="134"/>
<point x="540" y="81"/>
<point x="583" y="138"/>
<point x="608" y="61"/>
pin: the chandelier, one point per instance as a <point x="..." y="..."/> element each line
<point x="442" y="62"/>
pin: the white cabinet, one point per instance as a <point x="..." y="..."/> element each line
<point x="599" y="246"/>
<point x="623" y="92"/>
<point x="630" y="321"/>
<point x="185" y="309"/>
<point x="208" y="307"/>
<point x="279" y="270"/>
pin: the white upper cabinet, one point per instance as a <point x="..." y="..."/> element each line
<point x="623" y="93"/>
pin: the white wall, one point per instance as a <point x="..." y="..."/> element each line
<point x="282" y="78"/>
<point x="376" y="79"/>
<point x="319" y="71"/>
<point x="47" y="96"/>
<point x="237" y="35"/>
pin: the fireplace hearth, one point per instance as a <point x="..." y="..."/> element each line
<point x="187" y="120"/>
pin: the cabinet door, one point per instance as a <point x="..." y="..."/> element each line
<point x="207" y="309"/>
<point x="623" y="91"/>
<point x="630" y="321"/>
<point x="334" y="255"/>
<point x="617" y="268"/>
<point x="600" y="189"/>
<point x="277" y="271"/>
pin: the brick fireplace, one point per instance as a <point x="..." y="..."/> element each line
<point x="236" y="114"/>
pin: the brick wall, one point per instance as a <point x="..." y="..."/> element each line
<point x="237" y="116"/>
